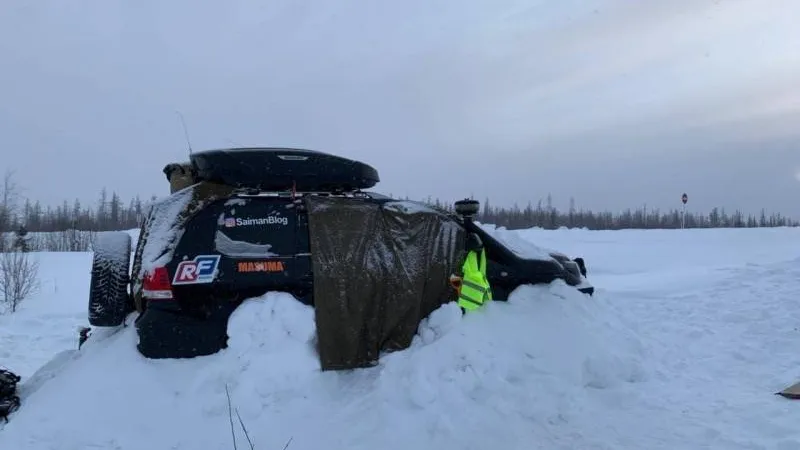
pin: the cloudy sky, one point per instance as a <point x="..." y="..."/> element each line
<point x="616" y="103"/>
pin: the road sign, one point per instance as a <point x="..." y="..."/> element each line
<point x="684" y="198"/>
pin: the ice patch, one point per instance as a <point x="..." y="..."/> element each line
<point x="241" y="249"/>
<point x="236" y="201"/>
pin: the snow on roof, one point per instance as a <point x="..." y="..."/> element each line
<point x="516" y="243"/>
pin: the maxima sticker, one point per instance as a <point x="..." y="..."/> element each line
<point x="260" y="266"/>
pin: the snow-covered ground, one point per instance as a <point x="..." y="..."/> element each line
<point x="48" y="322"/>
<point x="687" y="338"/>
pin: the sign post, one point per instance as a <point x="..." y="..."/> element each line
<point x="684" y="199"/>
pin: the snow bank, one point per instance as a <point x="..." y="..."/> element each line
<point x="688" y="337"/>
<point x="48" y="321"/>
<point x="497" y="378"/>
<point x="658" y="261"/>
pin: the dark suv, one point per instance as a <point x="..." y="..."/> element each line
<point x="243" y="222"/>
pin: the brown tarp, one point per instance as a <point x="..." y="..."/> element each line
<point x="378" y="271"/>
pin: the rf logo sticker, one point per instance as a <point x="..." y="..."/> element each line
<point x="201" y="269"/>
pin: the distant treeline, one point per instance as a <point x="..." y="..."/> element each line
<point x="112" y="213"/>
<point x="549" y="217"/>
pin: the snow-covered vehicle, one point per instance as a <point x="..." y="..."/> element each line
<point x="241" y="222"/>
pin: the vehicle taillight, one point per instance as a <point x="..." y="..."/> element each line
<point x="156" y="285"/>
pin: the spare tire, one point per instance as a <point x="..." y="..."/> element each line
<point x="109" y="300"/>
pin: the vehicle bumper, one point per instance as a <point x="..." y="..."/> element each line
<point x="165" y="332"/>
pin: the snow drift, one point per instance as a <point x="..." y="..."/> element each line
<point x="686" y="340"/>
<point x="499" y="377"/>
<point x="496" y="378"/>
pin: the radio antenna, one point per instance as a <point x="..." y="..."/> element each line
<point x="185" y="132"/>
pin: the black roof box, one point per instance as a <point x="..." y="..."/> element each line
<point x="279" y="169"/>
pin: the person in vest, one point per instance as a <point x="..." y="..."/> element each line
<point x="473" y="286"/>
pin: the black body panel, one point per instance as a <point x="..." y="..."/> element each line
<point x="281" y="169"/>
<point x="263" y="245"/>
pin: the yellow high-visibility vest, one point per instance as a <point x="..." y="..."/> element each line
<point x="475" y="288"/>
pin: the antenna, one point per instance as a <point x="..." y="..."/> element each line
<point x="185" y="132"/>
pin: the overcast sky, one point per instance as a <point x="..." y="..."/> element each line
<point x="615" y="103"/>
